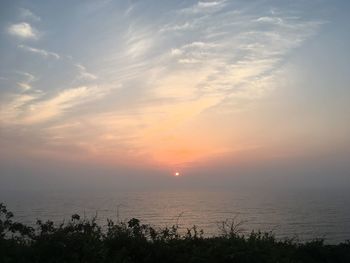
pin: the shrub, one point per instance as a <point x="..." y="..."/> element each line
<point x="82" y="240"/>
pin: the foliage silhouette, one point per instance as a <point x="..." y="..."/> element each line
<point x="83" y="240"/>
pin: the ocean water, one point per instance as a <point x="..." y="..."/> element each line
<point x="299" y="214"/>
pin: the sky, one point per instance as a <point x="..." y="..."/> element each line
<point x="130" y="92"/>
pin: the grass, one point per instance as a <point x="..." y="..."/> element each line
<point x="83" y="240"/>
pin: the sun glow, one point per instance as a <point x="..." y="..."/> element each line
<point x="176" y="174"/>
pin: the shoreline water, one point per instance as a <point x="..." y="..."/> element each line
<point x="304" y="216"/>
<point x="83" y="240"/>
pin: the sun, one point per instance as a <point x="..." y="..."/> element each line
<point x="176" y="174"/>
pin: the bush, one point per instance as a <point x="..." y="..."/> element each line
<point x="82" y="240"/>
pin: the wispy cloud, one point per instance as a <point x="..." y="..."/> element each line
<point x="233" y="61"/>
<point x="138" y="41"/>
<point x="25" y="84"/>
<point x="176" y="27"/>
<point x="13" y="107"/>
<point x="41" y="52"/>
<point x="23" y="30"/>
<point x="37" y="108"/>
<point x="66" y="99"/>
<point x="172" y="69"/>
<point x="27" y="14"/>
<point x="230" y="57"/>
<point x="204" y="7"/>
<point x="84" y="74"/>
<point x="269" y="19"/>
<point x="209" y="4"/>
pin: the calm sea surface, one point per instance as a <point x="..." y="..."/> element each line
<point x="301" y="214"/>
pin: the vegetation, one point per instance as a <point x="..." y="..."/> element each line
<point x="82" y="240"/>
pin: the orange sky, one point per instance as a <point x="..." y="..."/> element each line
<point x="175" y="86"/>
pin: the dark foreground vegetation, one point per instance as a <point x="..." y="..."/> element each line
<point x="82" y="240"/>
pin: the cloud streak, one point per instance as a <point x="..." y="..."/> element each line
<point x="41" y="52"/>
<point x="84" y="74"/>
<point x="25" y="84"/>
<point x="29" y="109"/>
<point x="57" y="105"/>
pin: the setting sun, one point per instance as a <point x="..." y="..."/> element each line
<point x="176" y="174"/>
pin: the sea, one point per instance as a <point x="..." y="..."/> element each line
<point x="303" y="215"/>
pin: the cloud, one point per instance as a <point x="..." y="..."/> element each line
<point x="29" y="76"/>
<point x="204" y="7"/>
<point x="189" y="61"/>
<point x="269" y="19"/>
<point x="138" y="42"/>
<point x="194" y="52"/>
<point x="129" y="10"/>
<point x="84" y="74"/>
<point x="173" y="70"/>
<point x="176" y="51"/>
<point x="209" y="4"/>
<point x="229" y="61"/>
<point x="25" y="84"/>
<point x="41" y="52"/>
<point x="55" y="106"/>
<point x="27" y="14"/>
<point x="177" y="27"/>
<point x="23" y="30"/>
<point x="13" y="107"/>
<point x="234" y="61"/>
